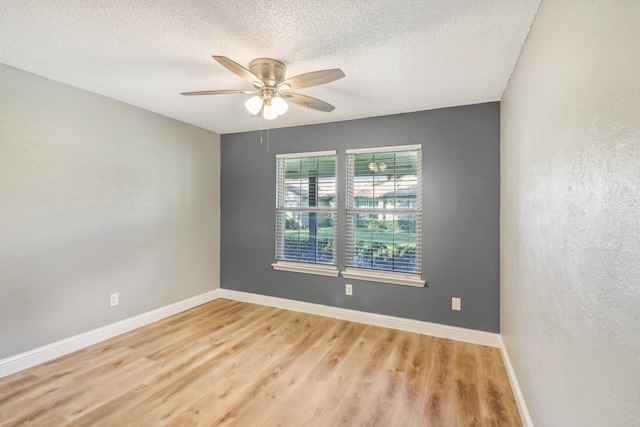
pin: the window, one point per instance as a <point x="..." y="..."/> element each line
<point x="306" y="213"/>
<point x="384" y="214"/>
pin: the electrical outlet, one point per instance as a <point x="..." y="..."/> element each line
<point x="456" y="304"/>
<point x="348" y="289"/>
<point x="114" y="300"/>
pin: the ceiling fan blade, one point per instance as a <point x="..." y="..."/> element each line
<point x="237" y="69"/>
<point x="314" y="78"/>
<point x="216" y="92"/>
<point x="309" y="102"/>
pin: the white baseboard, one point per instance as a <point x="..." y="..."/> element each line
<point x="49" y="352"/>
<point x="409" y="325"/>
<point x="515" y="387"/>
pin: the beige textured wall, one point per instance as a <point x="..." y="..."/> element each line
<point x="98" y="197"/>
<point x="570" y="214"/>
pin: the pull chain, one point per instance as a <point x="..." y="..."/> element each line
<point x="262" y="128"/>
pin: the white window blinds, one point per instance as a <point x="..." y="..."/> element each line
<point x="384" y="209"/>
<point x="306" y="216"/>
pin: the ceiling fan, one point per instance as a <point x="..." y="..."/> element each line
<point x="267" y="76"/>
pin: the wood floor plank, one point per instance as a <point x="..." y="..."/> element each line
<point x="229" y="363"/>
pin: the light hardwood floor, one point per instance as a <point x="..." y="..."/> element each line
<point x="229" y="363"/>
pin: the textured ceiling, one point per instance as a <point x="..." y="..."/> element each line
<point x="398" y="56"/>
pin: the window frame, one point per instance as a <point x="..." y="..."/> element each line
<point x="351" y="210"/>
<point x="281" y="263"/>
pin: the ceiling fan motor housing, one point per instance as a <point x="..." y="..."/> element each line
<point x="270" y="71"/>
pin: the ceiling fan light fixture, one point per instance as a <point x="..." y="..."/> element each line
<point x="280" y="105"/>
<point x="254" y="104"/>
<point x="375" y="167"/>
<point x="269" y="112"/>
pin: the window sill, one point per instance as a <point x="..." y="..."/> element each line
<point x="384" y="277"/>
<point x="298" y="267"/>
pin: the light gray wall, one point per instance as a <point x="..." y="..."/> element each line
<point x="97" y="197"/>
<point x="460" y="225"/>
<point x="570" y="217"/>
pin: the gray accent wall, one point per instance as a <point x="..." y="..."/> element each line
<point x="461" y="199"/>
<point x="98" y="197"/>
